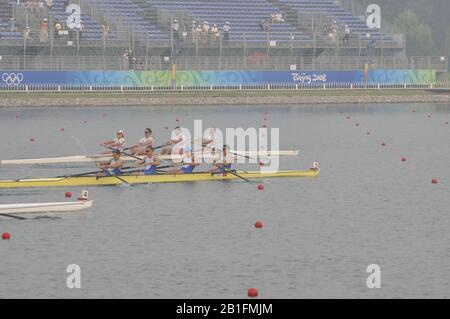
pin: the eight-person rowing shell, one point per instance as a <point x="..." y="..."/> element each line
<point x="112" y="167"/>
<point x="224" y="163"/>
<point x="117" y="143"/>
<point x="141" y="147"/>
<point x="150" y="163"/>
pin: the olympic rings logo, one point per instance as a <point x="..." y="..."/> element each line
<point x="12" y="79"/>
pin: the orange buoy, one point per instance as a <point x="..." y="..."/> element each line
<point x="252" y="293"/>
<point x="258" y="224"/>
<point x="6" y="236"/>
<point x="68" y="194"/>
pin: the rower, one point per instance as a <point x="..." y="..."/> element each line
<point x="114" y="166"/>
<point x="178" y="139"/>
<point x="141" y="147"/>
<point x="189" y="163"/>
<point x="223" y="165"/>
<point x="150" y="162"/>
<point x="117" y="143"/>
<point x="210" y="140"/>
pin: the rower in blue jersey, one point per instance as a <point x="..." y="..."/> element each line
<point x="150" y="163"/>
<point x="188" y="163"/>
<point x="114" y="166"/>
<point x="224" y="164"/>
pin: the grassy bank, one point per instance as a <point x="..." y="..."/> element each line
<point x="221" y="98"/>
<point x="213" y="94"/>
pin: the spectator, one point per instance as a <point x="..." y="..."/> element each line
<point x="277" y="17"/>
<point x="215" y="32"/>
<point x="131" y="60"/>
<point x="12" y="25"/>
<point x="264" y="25"/>
<point x="105" y="31"/>
<point x="194" y="31"/>
<point x="49" y="3"/>
<point x="43" y="27"/>
<point x="27" y="34"/>
<point x="58" y="27"/>
<point x="226" y="31"/>
<point x="175" y="29"/>
<point x="205" y="31"/>
<point x="66" y="4"/>
<point x="80" y="30"/>
<point x="347" y="32"/>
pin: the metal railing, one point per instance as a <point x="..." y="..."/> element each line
<point x="250" y="62"/>
<point x="247" y="87"/>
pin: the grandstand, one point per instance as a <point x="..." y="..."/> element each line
<point x="310" y="36"/>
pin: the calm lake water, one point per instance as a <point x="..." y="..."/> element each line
<point x="198" y="240"/>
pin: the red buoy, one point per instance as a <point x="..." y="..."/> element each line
<point x="68" y="194"/>
<point x="252" y="293"/>
<point x="260" y="187"/>
<point x="177" y="120"/>
<point x="357" y="124"/>
<point x="404" y="159"/>
<point x="446" y="123"/>
<point x="368" y="133"/>
<point x="261" y="163"/>
<point x="429" y="115"/>
<point x="348" y="117"/>
<point x="434" y="181"/>
<point x="6" y="236"/>
<point x="32" y="140"/>
<point x="259" y="224"/>
<point x="62" y="130"/>
<point x="383" y="144"/>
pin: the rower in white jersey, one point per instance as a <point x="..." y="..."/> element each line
<point x="117" y="143"/>
<point x="188" y="163"/>
<point x="113" y="166"/>
<point x="178" y="140"/>
<point x="224" y="163"/>
<point x="211" y="140"/>
<point x="141" y="147"/>
<point x="150" y="163"/>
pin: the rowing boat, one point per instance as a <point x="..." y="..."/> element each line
<point x="37" y="208"/>
<point x="104" y="158"/>
<point x="148" y="179"/>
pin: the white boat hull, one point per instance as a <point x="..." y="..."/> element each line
<point x="103" y="158"/>
<point x="37" y="208"/>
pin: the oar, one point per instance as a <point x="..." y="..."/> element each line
<point x="124" y="153"/>
<point x="12" y="216"/>
<point x="84" y="174"/>
<point x="231" y="172"/>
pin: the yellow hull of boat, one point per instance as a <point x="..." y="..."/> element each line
<point x="103" y="181"/>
